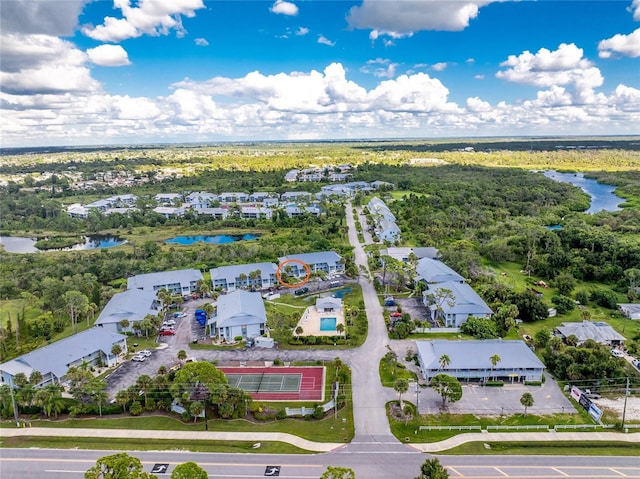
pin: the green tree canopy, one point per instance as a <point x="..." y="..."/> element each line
<point x="118" y="466"/>
<point x="338" y="473"/>
<point x="189" y="470"/>
<point x="447" y="387"/>
<point x="432" y="469"/>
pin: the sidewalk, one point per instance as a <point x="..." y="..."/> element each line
<point x="319" y="446"/>
<point x="172" y="435"/>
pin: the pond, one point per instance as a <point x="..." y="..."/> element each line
<point x="603" y="197"/>
<point x="217" y="239"/>
<point x="21" y="244"/>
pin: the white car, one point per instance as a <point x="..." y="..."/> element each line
<point x="170" y="322"/>
<point x="139" y="357"/>
<point x="617" y="353"/>
<point x="145" y="353"/>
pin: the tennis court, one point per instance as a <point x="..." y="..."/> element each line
<point x="279" y="383"/>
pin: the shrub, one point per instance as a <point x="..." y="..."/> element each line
<point x="604" y="298"/>
<point x="135" y="409"/>
<point x="237" y="338"/>
<point x="563" y="304"/>
<point x="494" y="384"/>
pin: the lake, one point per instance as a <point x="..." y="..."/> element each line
<point x="217" y="239"/>
<point x="603" y="197"/>
<point x="21" y="244"/>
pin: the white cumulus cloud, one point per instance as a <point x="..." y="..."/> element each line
<point x="201" y="42"/>
<point x="627" y="45"/>
<point x="150" y="17"/>
<point x="325" y="41"/>
<point x="635" y="9"/>
<point x="282" y="7"/>
<point x="109" y="56"/>
<point x="439" y="66"/>
<point x="302" y="31"/>
<point x="401" y="18"/>
<point x="34" y="64"/>
<point x="564" y="66"/>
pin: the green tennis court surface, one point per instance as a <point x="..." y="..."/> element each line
<point x="266" y="382"/>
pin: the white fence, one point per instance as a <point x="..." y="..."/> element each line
<point x="304" y="411"/>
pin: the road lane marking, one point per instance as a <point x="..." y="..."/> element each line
<point x="559" y="471"/>
<point x="501" y="472"/>
<point x="456" y="472"/>
<point x="618" y="472"/>
<point x="66" y="471"/>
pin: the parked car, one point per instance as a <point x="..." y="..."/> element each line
<point x="301" y="291"/>
<point x="617" y="353"/>
<point x="167" y="332"/>
<point x="169" y="322"/>
<point x="139" y="358"/>
<point x="145" y="353"/>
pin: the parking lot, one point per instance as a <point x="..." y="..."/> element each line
<point x="494" y="401"/>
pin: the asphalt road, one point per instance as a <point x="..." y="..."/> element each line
<point x="60" y="464"/>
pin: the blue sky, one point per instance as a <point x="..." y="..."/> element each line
<point x="78" y="72"/>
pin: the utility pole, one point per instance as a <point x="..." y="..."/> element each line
<point x="624" y="411"/>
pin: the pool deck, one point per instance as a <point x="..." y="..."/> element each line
<point x="310" y="322"/>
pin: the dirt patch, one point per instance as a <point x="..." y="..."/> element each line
<point x="617" y="406"/>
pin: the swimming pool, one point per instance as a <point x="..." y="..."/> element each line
<point x="328" y="324"/>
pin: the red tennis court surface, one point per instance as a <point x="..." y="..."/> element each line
<point x="308" y="380"/>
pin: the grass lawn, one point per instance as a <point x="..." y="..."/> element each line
<point x="10" y="308"/>
<point x="151" y="445"/>
<point x="390" y="372"/>
<point x="509" y="274"/>
<point x="284" y="313"/>
<point x="404" y="429"/>
<point x="333" y="428"/>
<point x="555" y="448"/>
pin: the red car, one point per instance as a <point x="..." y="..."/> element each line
<point x="167" y="332"/>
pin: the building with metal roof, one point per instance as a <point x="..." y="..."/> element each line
<point x="598" y="331"/>
<point x="181" y="281"/>
<point x="91" y="347"/>
<point x="434" y="271"/>
<point x="253" y="275"/>
<point x="471" y="360"/>
<point x="240" y="313"/>
<point x="464" y="303"/>
<point x="133" y="305"/>
<point x="328" y="262"/>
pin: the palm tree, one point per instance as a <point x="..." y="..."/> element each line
<point x="182" y="355"/>
<point x="527" y="401"/>
<point x="495" y="359"/>
<point x="340" y="328"/>
<point x="35" y="377"/>
<point x="116" y="350"/>
<point x="401" y="386"/>
<point x="50" y="399"/>
<point x="164" y="296"/>
<point x="122" y="398"/>
<point x="124" y="324"/>
<point x="162" y="370"/>
<point x="299" y="331"/>
<point x="444" y="361"/>
<point x="144" y="382"/>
